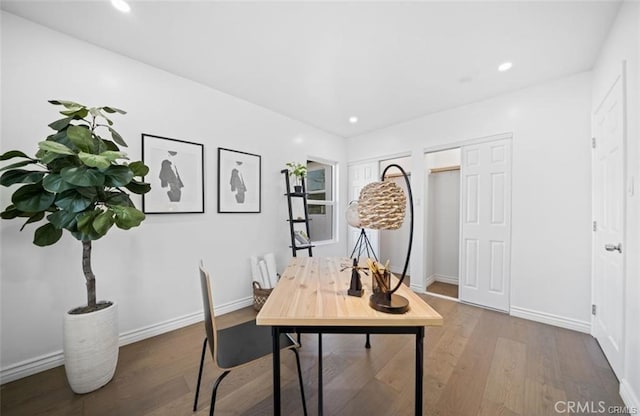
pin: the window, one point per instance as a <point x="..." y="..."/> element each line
<point x="320" y="200"/>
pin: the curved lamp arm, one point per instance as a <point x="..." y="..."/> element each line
<point x="406" y="263"/>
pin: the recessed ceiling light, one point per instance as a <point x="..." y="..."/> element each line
<point x="505" y="66"/>
<point x="353" y="119"/>
<point x="121" y="5"/>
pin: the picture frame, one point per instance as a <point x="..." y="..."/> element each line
<point x="239" y="182"/>
<point x="176" y="175"/>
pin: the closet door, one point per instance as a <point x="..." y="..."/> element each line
<point x="359" y="176"/>
<point x="485" y="224"/>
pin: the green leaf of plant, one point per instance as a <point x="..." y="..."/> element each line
<point x="55" y="147"/>
<point x="76" y="200"/>
<point x="67" y="104"/>
<point x="18" y="165"/>
<point x="97" y="113"/>
<point x="127" y="217"/>
<point x="117" y="138"/>
<point x="32" y="198"/>
<point x="76" y="112"/>
<point x="82" y="176"/>
<point x="94" y="161"/>
<point x="112" y="156"/>
<point x="113" y="110"/>
<point x="62" y="162"/>
<point x="118" y="198"/>
<point x="109" y="145"/>
<point x="46" y="235"/>
<point x="10" y="213"/>
<point x="62" y="138"/>
<point x="118" y="175"/>
<point x="92" y="235"/>
<point x="104" y="221"/>
<point x="99" y="145"/>
<point x="21" y="176"/>
<point x="54" y="183"/>
<point x="138" y="187"/>
<point x="138" y="168"/>
<point x="34" y="218"/>
<point x="63" y="219"/>
<point x="13" y="153"/>
<point x="81" y="137"/>
<point x="85" y="221"/>
<point x="61" y="124"/>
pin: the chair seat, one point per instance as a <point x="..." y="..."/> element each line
<point x="246" y="342"/>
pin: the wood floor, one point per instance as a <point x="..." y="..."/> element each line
<point x="445" y="289"/>
<point x="480" y="362"/>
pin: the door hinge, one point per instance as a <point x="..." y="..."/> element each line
<point x="595" y="226"/>
<point x="593" y="309"/>
<point x="593" y="142"/>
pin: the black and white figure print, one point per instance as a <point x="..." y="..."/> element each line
<point x="170" y="177"/>
<point x="238" y="181"/>
<point x="175" y="174"/>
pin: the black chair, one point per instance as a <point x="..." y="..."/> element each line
<point x="236" y="346"/>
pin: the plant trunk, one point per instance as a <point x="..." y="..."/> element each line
<point x="88" y="274"/>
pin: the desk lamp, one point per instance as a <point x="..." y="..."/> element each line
<point x="382" y="206"/>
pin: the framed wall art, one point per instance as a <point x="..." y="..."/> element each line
<point x="176" y="175"/>
<point x="239" y="181"/>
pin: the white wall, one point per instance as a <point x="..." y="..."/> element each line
<point x="623" y="43"/>
<point x="550" y="271"/>
<point x="444" y="189"/>
<point x="150" y="271"/>
<point x="441" y="243"/>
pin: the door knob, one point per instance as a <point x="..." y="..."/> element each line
<point x="612" y="247"/>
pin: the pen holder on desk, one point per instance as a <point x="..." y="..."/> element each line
<point x="383" y="299"/>
<point x="381" y="282"/>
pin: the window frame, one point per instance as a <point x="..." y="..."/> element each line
<point x="325" y="202"/>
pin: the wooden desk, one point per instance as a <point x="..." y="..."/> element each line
<point x="311" y="297"/>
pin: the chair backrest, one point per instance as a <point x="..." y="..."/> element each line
<point x="209" y="316"/>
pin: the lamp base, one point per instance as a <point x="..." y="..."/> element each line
<point x="389" y="303"/>
<point x="355" y="292"/>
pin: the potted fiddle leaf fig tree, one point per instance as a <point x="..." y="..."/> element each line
<point x="79" y="181"/>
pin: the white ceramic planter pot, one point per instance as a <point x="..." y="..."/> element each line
<point x="91" y="348"/>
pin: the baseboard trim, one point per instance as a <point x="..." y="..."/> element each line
<point x="32" y="366"/>
<point x="417" y="289"/>
<point x="431" y="279"/>
<point x="629" y="398"/>
<point x="446" y="279"/>
<point x="55" y="359"/>
<point x="438" y="295"/>
<point x="551" y="319"/>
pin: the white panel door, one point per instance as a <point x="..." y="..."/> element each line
<point x="359" y="176"/>
<point x="485" y="224"/>
<point x="608" y="211"/>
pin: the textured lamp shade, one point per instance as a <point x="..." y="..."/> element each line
<point x="382" y="206"/>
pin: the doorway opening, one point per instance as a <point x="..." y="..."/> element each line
<point x="442" y="222"/>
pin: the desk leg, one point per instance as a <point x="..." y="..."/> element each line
<point x="320" y="386"/>
<point x="419" y="369"/>
<point x="275" y="334"/>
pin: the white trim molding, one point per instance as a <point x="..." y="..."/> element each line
<point x="551" y="319"/>
<point x="55" y="359"/>
<point x="452" y="280"/>
<point x="628" y="396"/>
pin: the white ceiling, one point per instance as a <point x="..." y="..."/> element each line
<point x="321" y="62"/>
